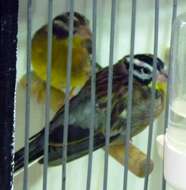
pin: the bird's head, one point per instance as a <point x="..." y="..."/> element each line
<point x="81" y="27"/>
<point x="143" y="70"/>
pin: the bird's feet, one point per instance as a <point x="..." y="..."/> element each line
<point x="38" y="87"/>
<point x="38" y="91"/>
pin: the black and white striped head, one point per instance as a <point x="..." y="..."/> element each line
<point x="143" y="67"/>
<point x="61" y="24"/>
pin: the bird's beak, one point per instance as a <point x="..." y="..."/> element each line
<point x="161" y="81"/>
<point x="86" y="34"/>
<point x="162" y="76"/>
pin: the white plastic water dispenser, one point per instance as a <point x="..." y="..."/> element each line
<point x="174" y="141"/>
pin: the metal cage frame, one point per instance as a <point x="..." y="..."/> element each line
<point x="9" y="72"/>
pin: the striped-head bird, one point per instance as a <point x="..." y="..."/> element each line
<point x="80" y="111"/>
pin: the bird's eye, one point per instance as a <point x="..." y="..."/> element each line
<point x="146" y="71"/>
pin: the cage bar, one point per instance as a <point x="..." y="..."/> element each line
<point x="174" y="13"/>
<point x="93" y="95"/>
<point x="48" y="91"/>
<point x="109" y="93"/>
<point x="28" y="92"/>
<point x="130" y="94"/>
<point x="67" y="94"/>
<point x="151" y="122"/>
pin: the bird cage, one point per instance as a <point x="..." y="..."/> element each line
<point x="91" y="86"/>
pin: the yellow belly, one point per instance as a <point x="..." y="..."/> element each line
<point x="80" y="61"/>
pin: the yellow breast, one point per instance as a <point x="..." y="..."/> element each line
<point x="80" y="60"/>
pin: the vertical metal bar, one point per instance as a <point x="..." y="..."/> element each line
<point x="93" y="96"/>
<point x="130" y="90"/>
<point x="28" y="91"/>
<point x="149" y="146"/>
<point x="67" y="93"/>
<point x="174" y="13"/>
<point x="47" y="104"/>
<point x="109" y="93"/>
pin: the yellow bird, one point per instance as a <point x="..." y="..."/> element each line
<point x="81" y="50"/>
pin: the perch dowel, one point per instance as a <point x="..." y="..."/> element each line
<point x="136" y="161"/>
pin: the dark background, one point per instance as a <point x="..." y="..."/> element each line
<point x="8" y="49"/>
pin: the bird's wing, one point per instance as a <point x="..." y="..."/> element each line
<point x="78" y="130"/>
<point x="80" y="105"/>
<point x="78" y="144"/>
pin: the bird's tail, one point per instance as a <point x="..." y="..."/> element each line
<point x="35" y="152"/>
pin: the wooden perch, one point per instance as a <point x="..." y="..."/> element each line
<point x="137" y="159"/>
